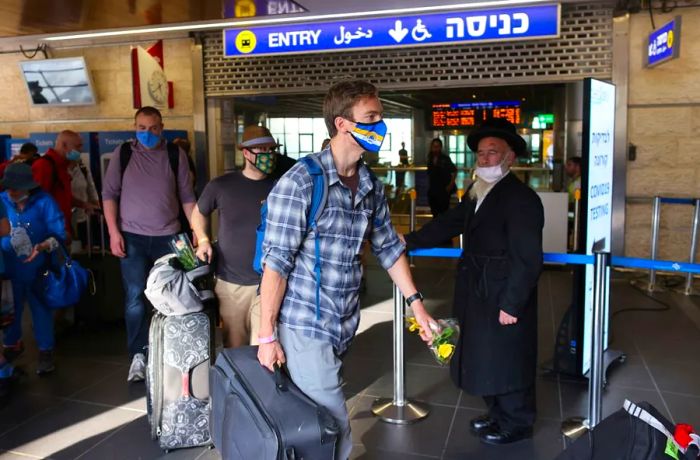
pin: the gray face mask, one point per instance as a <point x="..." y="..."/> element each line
<point x="20" y="199"/>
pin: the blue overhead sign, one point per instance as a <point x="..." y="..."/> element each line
<point x="664" y="43"/>
<point x="502" y="24"/>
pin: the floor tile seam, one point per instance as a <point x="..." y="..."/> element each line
<point x="452" y="423"/>
<point x="449" y="406"/>
<point x="21" y="424"/>
<point x="91" y="403"/>
<point x="114" y="432"/>
<point x="100" y="381"/>
<point x="206" y="449"/>
<point x="105" y="405"/>
<point x="685" y="395"/>
<point x="561" y="399"/>
<point x="653" y="380"/>
<point x="626" y="387"/>
<point x="21" y="454"/>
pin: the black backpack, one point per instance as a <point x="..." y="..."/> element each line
<point x="635" y="432"/>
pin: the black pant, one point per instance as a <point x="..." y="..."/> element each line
<point x="439" y="203"/>
<point x="513" y="410"/>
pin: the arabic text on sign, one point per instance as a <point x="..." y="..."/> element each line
<point x="535" y="21"/>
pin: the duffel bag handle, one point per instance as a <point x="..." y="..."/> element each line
<point x="279" y="378"/>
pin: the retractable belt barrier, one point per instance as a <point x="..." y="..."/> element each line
<point x="400" y="410"/>
<point x="657" y="201"/>
<point x="578" y="259"/>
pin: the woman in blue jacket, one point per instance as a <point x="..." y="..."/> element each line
<point x="5" y="367"/>
<point x="37" y="227"/>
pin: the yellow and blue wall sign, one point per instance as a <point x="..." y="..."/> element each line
<point x="501" y="24"/>
<point x="664" y="43"/>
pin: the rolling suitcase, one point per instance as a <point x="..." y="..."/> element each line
<point x="260" y="415"/>
<point x="177" y="379"/>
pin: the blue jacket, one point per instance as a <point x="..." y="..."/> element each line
<point x="40" y="218"/>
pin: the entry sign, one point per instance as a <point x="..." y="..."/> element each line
<point x="664" y="43"/>
<point x="521" y="23"/>
<point x="598" y="150"/>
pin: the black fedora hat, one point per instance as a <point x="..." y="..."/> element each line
<point x="18" y="176"/>
<point x="502" y="129"/>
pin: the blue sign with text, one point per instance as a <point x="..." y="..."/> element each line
<point x="527" y="22"/>
<point x="664" y="43"/>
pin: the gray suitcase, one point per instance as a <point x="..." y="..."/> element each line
<point x="177" y="380"/>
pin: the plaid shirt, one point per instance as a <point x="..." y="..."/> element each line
<point x="343" y="226"/>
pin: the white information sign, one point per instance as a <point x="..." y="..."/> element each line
<point x="600" y="149"/>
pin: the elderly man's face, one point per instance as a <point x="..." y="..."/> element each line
<point x="492" y="151"/>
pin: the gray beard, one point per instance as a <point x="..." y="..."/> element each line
<point x="480" y="189"/>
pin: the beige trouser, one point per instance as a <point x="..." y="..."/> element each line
<point x="239" y="308"/>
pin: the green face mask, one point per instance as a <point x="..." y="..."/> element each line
<point x="266" y="162"/>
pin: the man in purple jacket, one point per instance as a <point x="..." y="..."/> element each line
<point x="141" y="207"/>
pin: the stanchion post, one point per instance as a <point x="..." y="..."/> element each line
<point x="412" y="218"/>
<point x="89" y="235"/>
<point x="693" y="247"/>
<point x="576" y="426"/>
<point x="460" y="195"/>
<point x="655" y="223"/>
<point x="595" y="381"/>
<point x="398" y="410"/>
<point x="577" y="218"/>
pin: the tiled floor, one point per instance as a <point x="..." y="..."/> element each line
<point x="87" y="411"/>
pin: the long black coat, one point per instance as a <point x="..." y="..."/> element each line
<point x="498" y="270"/>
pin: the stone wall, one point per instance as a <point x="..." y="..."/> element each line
<point x="110" y="68"/>
<point x="664" y="122"/>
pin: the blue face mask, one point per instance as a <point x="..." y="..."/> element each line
<point x="148" y="139"/>
<point x="73" y="155"/>
<point x="370" y="135"/>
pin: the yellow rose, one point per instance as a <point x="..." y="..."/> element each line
<point x="445" y="350"/>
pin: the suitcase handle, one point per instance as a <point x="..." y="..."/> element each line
<point x="279" y="378"/>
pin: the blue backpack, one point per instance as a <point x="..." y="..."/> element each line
<point x="319" y="196"/>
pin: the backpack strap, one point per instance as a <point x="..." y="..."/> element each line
<point x="125" y="153"/>
<point x="124" y="157"/>
<point x="319" y="196"/>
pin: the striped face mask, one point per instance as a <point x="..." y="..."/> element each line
<point x="370" y="135"/>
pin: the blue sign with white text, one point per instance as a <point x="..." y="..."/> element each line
<point x="527" y="22"/>
<point x="664" y="43"/>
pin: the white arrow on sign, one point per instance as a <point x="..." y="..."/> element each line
<point x="398" y="32"/>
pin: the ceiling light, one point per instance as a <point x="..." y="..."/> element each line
<point x="287" y="19"/>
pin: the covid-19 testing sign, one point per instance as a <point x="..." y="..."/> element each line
<point x="597" y="188"/>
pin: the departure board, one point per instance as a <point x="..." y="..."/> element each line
<point x="470" y="114"/>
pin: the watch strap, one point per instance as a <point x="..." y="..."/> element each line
<point x="413" y="298"/>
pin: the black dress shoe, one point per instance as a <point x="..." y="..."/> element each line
<point x="481" y="423"/>
<point x="498" y="436"/>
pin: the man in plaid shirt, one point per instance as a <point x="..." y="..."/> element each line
<point x="312" y="338"/>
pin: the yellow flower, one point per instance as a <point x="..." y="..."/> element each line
<point x="413" y="325"/>
<point x="445" y="350"/>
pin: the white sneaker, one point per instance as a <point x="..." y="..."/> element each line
<point x="137" y="371"/>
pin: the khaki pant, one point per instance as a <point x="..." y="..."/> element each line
<point x="239" y="308"/>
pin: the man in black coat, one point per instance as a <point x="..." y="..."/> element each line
<point x="496" y="286"/>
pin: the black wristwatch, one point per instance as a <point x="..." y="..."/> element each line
<point x="413" y="298"/>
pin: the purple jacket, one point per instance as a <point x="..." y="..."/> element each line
<point x="147" y="199"/>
